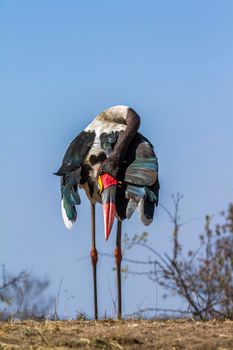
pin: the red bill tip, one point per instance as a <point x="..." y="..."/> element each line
<point x="109" y="211"/>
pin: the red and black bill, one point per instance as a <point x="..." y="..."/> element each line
<point x="108" y="187"/>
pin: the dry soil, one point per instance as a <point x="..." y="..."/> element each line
<point x="117" y="335"/>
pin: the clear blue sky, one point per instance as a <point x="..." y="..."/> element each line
<point x="61" y="63"/>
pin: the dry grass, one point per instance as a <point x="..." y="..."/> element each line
<point x="117" y="335"/>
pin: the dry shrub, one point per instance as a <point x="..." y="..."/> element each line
<point x="204" y="277"/>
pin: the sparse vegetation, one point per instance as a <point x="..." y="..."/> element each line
<point x="204" y="277"/>
<point x="22" y="296"/>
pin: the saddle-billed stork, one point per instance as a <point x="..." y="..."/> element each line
<point x="117" y="167"/>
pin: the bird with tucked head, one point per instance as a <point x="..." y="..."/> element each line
<point x="117" y="167"/>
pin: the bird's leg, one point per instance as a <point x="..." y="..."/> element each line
<point x="94" y="258"/>
<point x="118" y="258"/>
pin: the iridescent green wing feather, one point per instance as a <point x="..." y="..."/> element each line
<point x="141" y="180"/>
<point x="144" y="169"/>
<point x="70" y="172"/>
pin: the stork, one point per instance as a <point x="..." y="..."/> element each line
<point x="117" y="167"/>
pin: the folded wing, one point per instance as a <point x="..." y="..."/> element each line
<point x="70" y="172"/>
<point x="141" y="185"/>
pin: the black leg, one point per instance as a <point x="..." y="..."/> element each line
<point x="118" y="258"/>
<point x="94" y="259"/>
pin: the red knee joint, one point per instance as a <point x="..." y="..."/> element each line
<point x="94" y="256"/>
<point x="118" y="255"/>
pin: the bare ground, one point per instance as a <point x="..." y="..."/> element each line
<point x="121" y="335"/>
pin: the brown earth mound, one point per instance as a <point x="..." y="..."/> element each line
<point x="121" y="335"/>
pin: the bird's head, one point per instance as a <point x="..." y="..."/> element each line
<point x="108" y="187"/>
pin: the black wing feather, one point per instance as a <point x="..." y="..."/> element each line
<point x="76" y="152"/>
